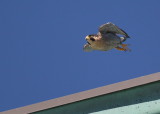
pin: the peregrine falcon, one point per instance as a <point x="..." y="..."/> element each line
<point x="107" y="38"/>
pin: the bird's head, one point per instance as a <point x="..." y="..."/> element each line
<point x="91" y="38"/>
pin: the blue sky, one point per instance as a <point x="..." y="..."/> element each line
<point x="41" y="54"/>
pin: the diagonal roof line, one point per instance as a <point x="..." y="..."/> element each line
<point x="86" y="94"/>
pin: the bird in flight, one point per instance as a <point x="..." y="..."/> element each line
<point x="107" y="38"/>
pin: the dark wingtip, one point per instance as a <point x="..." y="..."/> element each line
<point x="128" y="36"/>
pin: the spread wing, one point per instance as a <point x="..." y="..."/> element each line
<point x="110" y="27"/>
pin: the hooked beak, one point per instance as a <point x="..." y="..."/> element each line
<point x="87" y="37"/>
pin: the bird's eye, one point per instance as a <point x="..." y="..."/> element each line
<point x="92" y="39"/>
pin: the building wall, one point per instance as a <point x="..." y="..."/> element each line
<point x="151" y="107"/>
<point x="142" y="99"/>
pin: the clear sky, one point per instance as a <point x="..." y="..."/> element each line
<point x="41" y="54"/>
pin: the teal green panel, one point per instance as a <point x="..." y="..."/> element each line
<point x="152" y="107"/>
<point x="114" y="101"/>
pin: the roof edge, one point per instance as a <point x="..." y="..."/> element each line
<point x="85" y="94"/>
